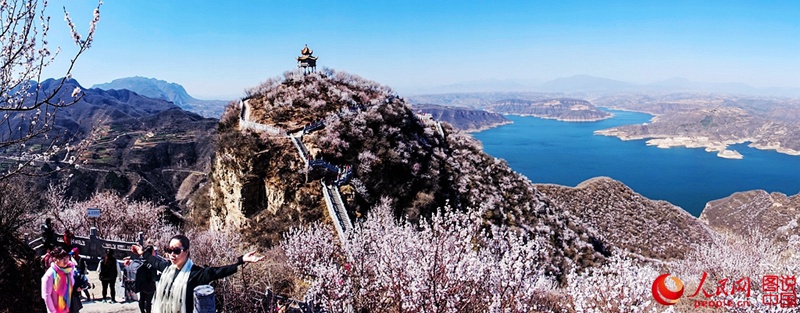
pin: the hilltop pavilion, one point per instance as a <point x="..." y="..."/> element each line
<point x="306" y="61"/>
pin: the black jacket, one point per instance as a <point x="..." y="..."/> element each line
<point x="146" y="278"/>
<point x="108" y="271"/>
<point x="81" y="281"/>
<point x="198" y="275"/>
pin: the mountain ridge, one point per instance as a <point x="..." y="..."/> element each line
<point x="143" y="148"/>
<point x="170" y="91"/>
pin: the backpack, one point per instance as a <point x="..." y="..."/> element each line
<point x="81" y="280"/>
<point x="144" y="279"/>
<point x="132" y="269"/>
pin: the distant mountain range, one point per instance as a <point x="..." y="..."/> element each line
<point x="598" y="86"/>
<point x="159" y="89"/>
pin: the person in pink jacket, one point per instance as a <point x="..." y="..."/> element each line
<point x="58" y="281"/>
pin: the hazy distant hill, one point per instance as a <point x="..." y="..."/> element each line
<point x="159" y="89"/>
<point x="488" y="85"/>
<point x="586" y="83"/>
<point x="590" y="86"/>
<point x="477" y="100"/>
<point x="553" y="106"/>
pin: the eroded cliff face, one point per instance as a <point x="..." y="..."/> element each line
<point x="245" y="195"/>
<point x="228" y="195"/>
<point x="258" y="186"/>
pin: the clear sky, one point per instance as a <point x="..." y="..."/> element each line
<point x="216" y="49"/>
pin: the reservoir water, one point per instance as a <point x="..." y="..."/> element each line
<point x="549" y="151"/>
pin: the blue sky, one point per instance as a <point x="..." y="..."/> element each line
<point x="217" y="49"/>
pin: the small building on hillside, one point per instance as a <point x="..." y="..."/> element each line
<point x="306" y="61"/>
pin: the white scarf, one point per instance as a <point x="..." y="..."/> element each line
<point x="171" y="294"/>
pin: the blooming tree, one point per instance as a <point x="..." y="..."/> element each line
<point x="28" y="108"/>
<point x="449" y="263"/>
<point x="121" y="218"/>
<point x="621" y="285"/>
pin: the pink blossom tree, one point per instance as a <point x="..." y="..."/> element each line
<point x="451" y="262"/>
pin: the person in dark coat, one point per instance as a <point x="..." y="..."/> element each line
<point x="108" y="271"/>
<point x="82" y="269"/>
<point x="81" y="284"/>
<point x="49" y="235"/>
<point x="174" y="291"/>
<point x="146" y="278"/>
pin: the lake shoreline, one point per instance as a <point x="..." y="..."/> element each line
<point x="552" y="152"/>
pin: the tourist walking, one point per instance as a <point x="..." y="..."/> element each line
<point x="68" y="236"/>
<point x="108" y="271"/>
<point x="174" y="291"/>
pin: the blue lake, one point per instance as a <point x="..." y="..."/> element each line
<point x="549" y="151"/>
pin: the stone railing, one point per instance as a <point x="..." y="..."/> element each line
<point x="92" y="246"/>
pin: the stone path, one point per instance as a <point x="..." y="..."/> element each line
<point x="96" y="306"/>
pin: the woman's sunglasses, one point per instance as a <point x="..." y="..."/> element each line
<point x="173" y="250"/>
